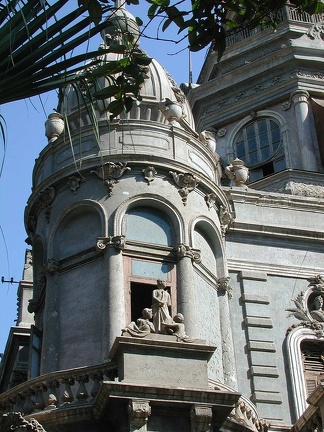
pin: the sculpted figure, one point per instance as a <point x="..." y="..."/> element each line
<point x="177" y="328"/>
<point x="318" y="313"/>
<point x="142" y="327"/>
<point x="161" y="301"/>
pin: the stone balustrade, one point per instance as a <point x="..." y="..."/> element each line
<point x="57" y="389"/>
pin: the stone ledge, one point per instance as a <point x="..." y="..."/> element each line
<point x="261" y="346"/>
<point x="253" y="275"/>
<point x="264" y="322"/>
<point x="255" y="298"/>
<point x="268" y="371"/>
<point x="267" y="397"/>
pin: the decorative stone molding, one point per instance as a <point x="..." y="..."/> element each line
<point x="74" y="183"/>
<point x="186" y="251"/>
<point x="244" y="415"/>
<point x="303" y="189"/>
<point x="149" y="174"/>
<point x="201" y="418"/>
<point x="186" y="182"/>
<point x="309" y="304"/>
<point x="52" y="265"/>
<point x="224" y="285"/>
<point x="138" y="413"/>
<point x="110" y="173"/>
<point x="237" y="172"/>
<point x="286" y="105"/>
<point x="210" y="200"/>
<point x="44" y="201"/>
<point x="117" y="241"/>
<point x="316" y="31"/>
<point x="15" y="421"/>
<point x="221" y="132"/>
<point x="31" y="229"/>
<point x="226" y="219"/>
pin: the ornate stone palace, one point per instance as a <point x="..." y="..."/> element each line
<point x="174" y="278"/>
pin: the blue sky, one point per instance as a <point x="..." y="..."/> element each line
<point x="25" y="139"/>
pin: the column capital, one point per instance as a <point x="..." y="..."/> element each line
<point x="299" y="96"/>
<point x="183" y="250"/>
<point x="117" y="241"/>
<point x="223" y="284"/>
<point x="139" y="411"/>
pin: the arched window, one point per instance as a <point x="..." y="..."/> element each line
<point x="259" y="145"/>
<point x="149" y="226"/>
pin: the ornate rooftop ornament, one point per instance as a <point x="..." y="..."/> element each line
<point x="172" y="111"/>
<point x="237" y="172"/>
<point x="110" y="173"/>
<point x="208" y="139"/>
<point x="54" y="126"/>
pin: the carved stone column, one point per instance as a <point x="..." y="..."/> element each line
<point x="138" y="413"/>
<point x="201" y="418"/>
<point x="114" y="316"/>
<point x="306" y="129"/>
<point x="186" y="286"/>
<point x="228" y="357"/>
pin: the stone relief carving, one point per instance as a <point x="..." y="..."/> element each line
<point x="110" y="173"/>
<point x="186" y="182"/>
<point x="117" y="241"/>
<point x="226" y="219"/>
<point x="303" y="189"/>
<point x="221" y="132"/>
<point x="52" y="265"/>
<point x="237" y="172"/>
<point x="224" y="285"/>
<point x="15" y="421"/>
<point x="44" y="201"/>
<point x="149" y="174"/>
<point x="142" y="327"/>
<point x="74" y="183"/>
<point x="138" y="414"/>
<point x="201" y="418"/>
<point x="210" y="200"/>
<point x="183" y="250"/>
<point x="162" y="322"/>
<point x="286" y="105"/>
<point x="309" y="303"/>
<point x="316" y="31"/>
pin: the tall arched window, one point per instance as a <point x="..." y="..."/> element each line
<point x="259" y="145"/>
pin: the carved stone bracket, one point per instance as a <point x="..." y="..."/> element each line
<point x="116" y="241"/>
<point x="224" y="285"/>
<point x="149" y="174"/>
<point x="15" y="421"/>
<point x="226" y="219"/>
<point x="110" y="173"/>
<point x="201" y="418"/>
<point x="138" y="413"/>
<point x="44" y="201"/>
<point x="74" y="183"/>
<point x="52" y="265"/>
<point x="182" y="251"/>
<point x="210" y="200"/>
<point x="186" y="182"/>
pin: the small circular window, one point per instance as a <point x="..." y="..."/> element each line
<point x="259" y="145"/>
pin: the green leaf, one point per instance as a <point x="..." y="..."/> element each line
<point x="107" y="92"/>
<point x="95" y="11"/>
<point x="139" y="21"/>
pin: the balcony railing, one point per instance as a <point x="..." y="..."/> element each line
<point x="57" y="389"/>
<point x="287" y="13"/>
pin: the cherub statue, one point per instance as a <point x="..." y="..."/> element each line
<point x="177" y="328"/>
<point x="142" y="327"/>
